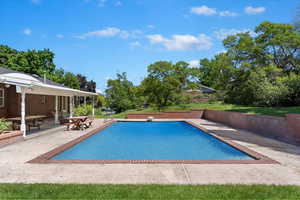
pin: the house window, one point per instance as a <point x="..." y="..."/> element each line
<point x="2" y="97"/>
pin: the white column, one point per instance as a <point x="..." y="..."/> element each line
<point x="23" y="122"/>
<point x="84" y="100"/>
<point x="56" y="110"/>
<point x="93" y="112"/>
<point x="71" y="106"/>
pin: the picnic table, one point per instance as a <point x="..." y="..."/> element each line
<point x="31" y="121"/>
<point x="78" y="123"/>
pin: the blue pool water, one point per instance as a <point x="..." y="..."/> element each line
<point x="152" y="141"/>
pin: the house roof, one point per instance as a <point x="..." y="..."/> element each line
<point x="37" y="85"/>
<point x="203" y="89"/>
<point x="47" y="81"/>
<point x="5" y="70"/>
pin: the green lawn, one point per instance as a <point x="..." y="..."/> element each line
<point x="275" y="111"/>
<point x="207" y="192"/>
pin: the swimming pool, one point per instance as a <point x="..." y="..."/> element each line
<point x="152" y="141"/>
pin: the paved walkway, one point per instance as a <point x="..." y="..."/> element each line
<point x="14" y="168"/>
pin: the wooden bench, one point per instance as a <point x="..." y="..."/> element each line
<point x="88" y="123"/>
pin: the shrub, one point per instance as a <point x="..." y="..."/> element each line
<point x="83" y="110"/>
<point x="292" y="82"/>
<point x="218" y="96"/>
<point x="4" y="125"/>
<point x="269" y="94"/>
<point x="260" y="87"/>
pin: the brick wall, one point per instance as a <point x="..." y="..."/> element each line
<point x="168" y="115"/>
<point x="40" y="105"/>
<point x="35" y="104"/>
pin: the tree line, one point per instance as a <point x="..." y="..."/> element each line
<point x="41" y="62"/>
<point x="260" y="68"/>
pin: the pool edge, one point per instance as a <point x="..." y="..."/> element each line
<point x="46" y="157"/>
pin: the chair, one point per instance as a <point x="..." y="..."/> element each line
<point x="88" y="123"/>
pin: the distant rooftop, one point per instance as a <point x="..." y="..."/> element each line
<point x="203" y="89"/>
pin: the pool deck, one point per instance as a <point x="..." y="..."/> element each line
<point x="15" y="169"/>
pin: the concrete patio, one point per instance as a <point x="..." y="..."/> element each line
<point x="14" y="168"/>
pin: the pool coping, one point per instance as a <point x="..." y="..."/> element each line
<point x="46" y="157"/>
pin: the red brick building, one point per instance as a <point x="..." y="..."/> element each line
<point x="24" y="95"/>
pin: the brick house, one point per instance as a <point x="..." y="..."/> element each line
<point x="24" y="95"/>
<point x="202" y="94"/>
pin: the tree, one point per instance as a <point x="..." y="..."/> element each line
<point x="164" y="83"/>
<point x="120" y="94"/>
<point x="257" y="86"/>
<point x="183" y="74"/>
<point x="70" y="80"/>
<point x="57" y="76"/>
<point x="85" y="85"/>
<point x="267" y="66"/>
<point x="91" y="86"/>
<point x="31" y="61"/>
<point x="41" y="62"/>
<point x="281" y="44"/>
<point x="216" y="72"/>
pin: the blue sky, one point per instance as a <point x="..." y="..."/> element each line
<point x="99" y="38"/>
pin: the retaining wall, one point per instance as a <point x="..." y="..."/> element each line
<point x="193" y="114"/>
<point x="282" y="128"/>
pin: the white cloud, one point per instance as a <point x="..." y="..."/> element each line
<point x="194" y="63"/>
<point x="27" y="31"/>
<point x="108" y="32"/>
<point x="227" y="13"/>
<point x="60" y="36"/>
<point x="112" y="32"/>
<point x="182" y="42"/>
<point x="131" y="34"/>
<point x="204" y="10"/>
<point x="156" y="38"/>
<point x="118" y="3"/>
<point x="35" y="1"/>
<point x="254" y="11"/>
<point x="223" y="33"/>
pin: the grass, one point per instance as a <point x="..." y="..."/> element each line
<point x="207" y="192"/>
<point x="274" y="111"/>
